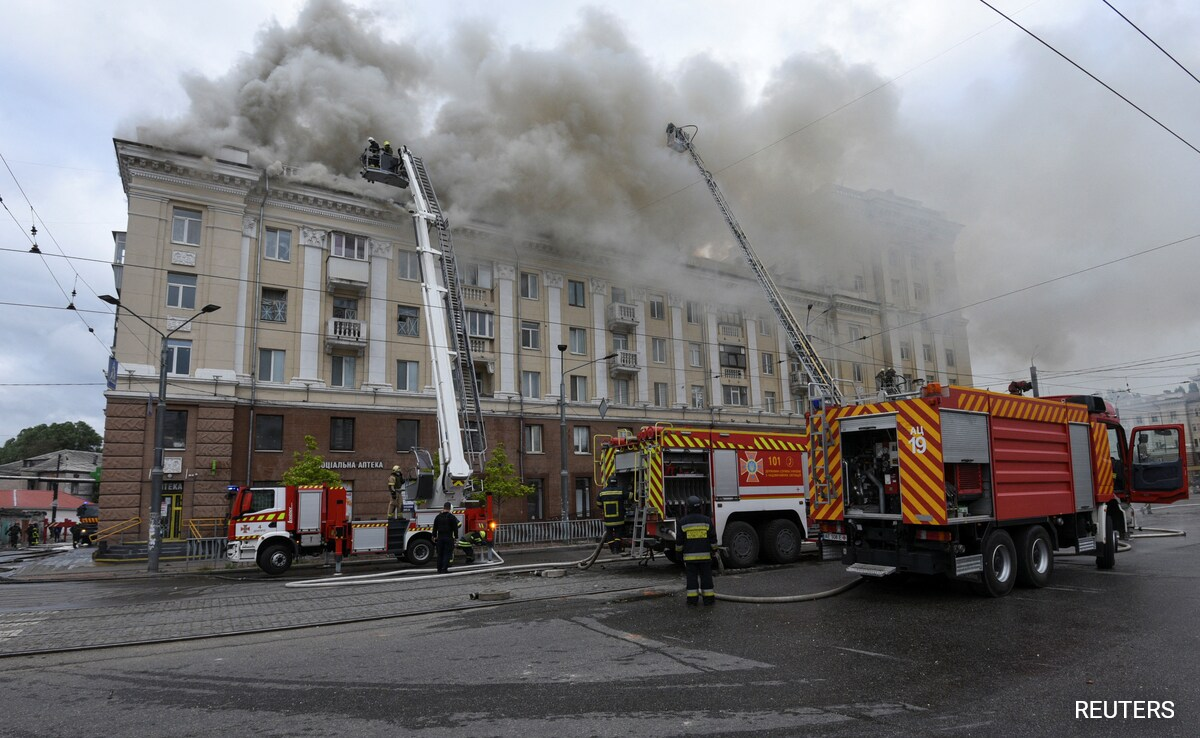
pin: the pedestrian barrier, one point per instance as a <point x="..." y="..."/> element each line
<point x="550" y="531"/>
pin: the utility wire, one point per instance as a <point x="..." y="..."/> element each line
<point x="1156" y="44"/>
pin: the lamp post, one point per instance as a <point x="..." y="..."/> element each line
<point x="154" y="539"/>
<point x="562" y="428"/>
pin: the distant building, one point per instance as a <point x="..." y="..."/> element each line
<point x="1180" y="405"/>
<point x="320" y="332"/>
<point x="68" y="470"/>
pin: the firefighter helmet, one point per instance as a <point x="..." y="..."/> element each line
<point x="693" y="504"/>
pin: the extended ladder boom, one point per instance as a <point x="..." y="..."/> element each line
<point x="680" y="141"/>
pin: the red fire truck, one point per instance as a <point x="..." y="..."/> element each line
<point x="981" y="485"/>
<point x="271" y="526"/>
<point x="750" y="482"/>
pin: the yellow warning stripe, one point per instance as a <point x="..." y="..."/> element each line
<point x="922" y="476"/>
<point x="1102" y="471"/>
<point x="654" y="473"/>
<point x="261" y="517"/>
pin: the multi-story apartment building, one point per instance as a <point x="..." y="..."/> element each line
<point x="319" y="333"/>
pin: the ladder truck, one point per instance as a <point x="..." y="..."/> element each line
<point x="271" y="526"/>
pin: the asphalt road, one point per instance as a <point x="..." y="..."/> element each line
<point x="614" y="652"/>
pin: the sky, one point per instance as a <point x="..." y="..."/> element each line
<point x="1079" y="243"/>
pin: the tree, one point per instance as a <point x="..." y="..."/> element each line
<point x="43" y="439"/>
<point x="500" y="478"/>
<point x="308" y="468"/>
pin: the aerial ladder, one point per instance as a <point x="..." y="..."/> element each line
<point x="822" y="386"/>
<point x="461" y="439"/>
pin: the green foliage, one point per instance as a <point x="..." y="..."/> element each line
<point x="500" y="477"/>
<point x="307" y="468"/>
<point x="42" y="439"/>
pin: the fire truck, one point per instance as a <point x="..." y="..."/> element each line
<point x="981" y="485"/>
<point x="751" y="484"/>
<point x="271" y="526"/>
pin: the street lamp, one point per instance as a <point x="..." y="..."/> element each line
<point x="562" y="427"/>
<point x="154" y="541"/>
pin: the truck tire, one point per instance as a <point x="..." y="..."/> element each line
<point x="275" y="558"/>
<point x="419" y="551"/>
<point x="781" y="541"/>
<point x="1035" y="557"/>
<point x="741" y="545"/>
<point x="1106" y="557"/>
<point x="999" y="564"/>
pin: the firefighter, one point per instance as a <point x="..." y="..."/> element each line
<point x="696" y="544"/>
<point x="445" y="531"/>
<point x="372" y="152"/>
<point x="387" y="147"/>
<point x="467" y="544"/>
<point x="396" y="490"/>
<point x="612" y="506"/>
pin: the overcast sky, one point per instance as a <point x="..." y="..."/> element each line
<point x="1080" y="231"/>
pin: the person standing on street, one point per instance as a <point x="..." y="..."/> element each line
<point x="445" y="533"/>
<point x="14" y="535"/>
<point x="612" y="506"/>
<point x="695" y="544"/>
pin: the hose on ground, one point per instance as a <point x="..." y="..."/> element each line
<point x="792" y="598"/>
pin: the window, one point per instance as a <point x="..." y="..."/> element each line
<point x="918" y="292"/>
<point x="618" y="295"/>
<point x="579" y="392"/>
<point x="278" y="246"/>
<point x="531" y="385"/>
<point x="658" y="349"/>
<point x="345" y="308"/>
<point x="268" y="432"/>
<point x="341" y="434"/>
<point x="583" y="497"/>
<point x="769" y="401"/>
<point x="658" y="309"/>
<point x="693" y="312"/>
<point x="408" y="376"/>
<point x="905" y="350"/>
<point x="581" y="439"/>
<point x="927" y="351"/>
<point x="407" y="433"/>
<point x="620" y="342"/>
<point x="895" y="289"/>
<point x="949" y="357"/>
<point x="733" y="357"/>
<point x="533" y="439"/>
<point x="577" y="339"/>
<point x="695" y="357"/>
<point x="478" y="275"/>
<point x="174" y="428"/>
<point x="662" y="394"/>
<point x="768" y="364"/>
<point x="858" y="372"/>
<point x="621" y="391"/>
<point x="408" y="265"/>
<point x="536" y="499"/>
<point x="734" y="395"/>
<point x="531" y="334"/>
<point x="270" y="365"/>
<point x="408" y="321"/>
<point x="185" y="226"/>
<point x="181" y="291"/>
<point x="273" y="306"/>
<point x="349" y="246"/>
<point x="764" y="327"/>
<point x="479" y="324"/>
<point x="698" y="396"/>
<point x="530" y="286"/>
<point x="576" y="293"/>
<point x="343" y="372"/>
<point x="859" y="283"/>
<point x="179" y="356"/>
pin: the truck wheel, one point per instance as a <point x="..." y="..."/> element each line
<point x="275" y="558"/>
<point x="1107" y="557"/>
<point x="741" y="545"/>
<point x="672" y="556"/>
<point x="999" y="564"/>
<point x="781" y="541"/>
<point x="1035" y="557"/>
<point x="419" y="552"/>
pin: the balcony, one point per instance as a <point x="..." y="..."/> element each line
<point x="624" y="364"/>
<point x="477" y="296"/>
<point x="348" y="275"/>
<point x="622" y="318"/>
<point x="732" y="373"/>
<point x="342" y="333"/>
<point x="727" y="330"/>
<point x="482" y="354"/>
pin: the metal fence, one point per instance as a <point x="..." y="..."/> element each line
<point x="550" y="531"/>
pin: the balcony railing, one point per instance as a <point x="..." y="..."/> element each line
<point x="725" y="330"/>
<point x="625" y="362"/>
<point x="621" y="317"/>
<point x="730" y="373"/>
<point x="346" y="333"/>
<point x="474" y="294"/>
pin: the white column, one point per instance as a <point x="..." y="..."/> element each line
<point x="599" y="333"/>
<point x="554" y="285"/>
<point x="312" y="330"/>
<point x="683" y="393"/>
<point x="717" y="398"/>
<point x="378" y="323"/>
<point x="638" y="297"/>
<point x="753" y="361"/>
<point x="243" y="364"/>
<point x="507" y="330"/>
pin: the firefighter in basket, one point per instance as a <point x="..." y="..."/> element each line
<point x="612" y="506"/>
<point x="467" y="545"/>
<point x="696" y="544"/>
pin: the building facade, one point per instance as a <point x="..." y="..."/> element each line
<point x="320" y="333"/>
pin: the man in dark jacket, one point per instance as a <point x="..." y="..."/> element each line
<point x="612" y="506"/>
<point x="445" y="532"/>
<point x="695" y="544"/>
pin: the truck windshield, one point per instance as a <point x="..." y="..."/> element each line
<point x="254" y="500"/>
